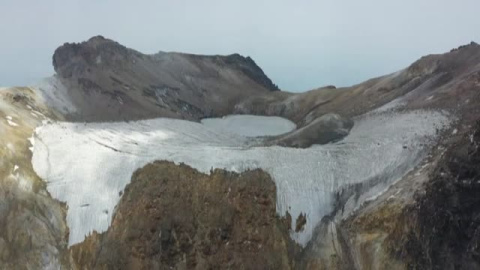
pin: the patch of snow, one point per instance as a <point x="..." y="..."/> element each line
<point x="375" y="196"/>
<point x="37" y="113"/>
<point x="91" y="163"/>
<point x="11" y="147"/>
<point x="390" y="106"/>
<point x="120" y="100"/>
<point x="32" y="142"/>
<point x="251" y="125"/>
<point x="10" y="121"/>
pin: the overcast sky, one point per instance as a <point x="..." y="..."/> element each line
<point x="300" y="44"/>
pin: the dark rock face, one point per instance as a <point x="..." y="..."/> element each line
<point x="173" y="217"/>
<point x="446" y="234"/>
<point x="109" y="82"/>
<point x="251" y="69"/>
<point x="76" y="58"/>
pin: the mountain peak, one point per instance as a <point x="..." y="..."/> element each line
<point x="97" y="38"/>
<point x="165" y="84"/>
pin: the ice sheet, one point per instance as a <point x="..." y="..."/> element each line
<point x="87" y="165"/>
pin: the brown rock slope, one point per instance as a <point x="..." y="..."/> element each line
<point x="173" y="217"/>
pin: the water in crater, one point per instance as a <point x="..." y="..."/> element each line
<point x="251" y="125"/>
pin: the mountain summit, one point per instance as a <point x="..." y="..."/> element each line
<point x="101" y="74"/>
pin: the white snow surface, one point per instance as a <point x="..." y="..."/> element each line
<point x="251" y="125"/>
<point x="11" y="123"/>
<point x="87" y="165"/>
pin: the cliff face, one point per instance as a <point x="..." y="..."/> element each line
<point x="174" y="217"/>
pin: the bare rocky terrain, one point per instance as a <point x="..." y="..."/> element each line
<point x="154" y="229"/>
<point x="172" y="216"/>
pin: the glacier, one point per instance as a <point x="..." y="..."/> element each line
<point x="87" y="165"/>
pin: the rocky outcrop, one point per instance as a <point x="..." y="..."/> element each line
<point x="251" y="69"/>
<point x="173" y="217"/>
<point x="325" y="129"/>
<point x="444" y="225"/>
<point x="77" y="59"/>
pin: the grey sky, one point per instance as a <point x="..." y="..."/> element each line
<point x="300" y="44"/>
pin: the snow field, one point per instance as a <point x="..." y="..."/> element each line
<point x="88" y="165"/>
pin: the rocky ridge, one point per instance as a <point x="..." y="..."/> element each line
<point x="153" y="229"/>
<point x="107" y="82"/>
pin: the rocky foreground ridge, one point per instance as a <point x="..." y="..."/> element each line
<point x="153" y="228"/>
<point x="426" y="220"/>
